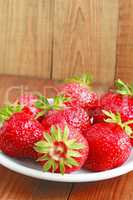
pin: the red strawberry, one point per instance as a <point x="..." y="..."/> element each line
<point x="74" y="116"/>
<point x="62" y="149"/>
<point x="119" y="100"/>
<point x="109" y="146"/>
<point x="79" y="91"/>
<point x="28" y="101"/>
<point x="19" y="133"/>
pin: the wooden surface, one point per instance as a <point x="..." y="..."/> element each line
<point x="58" y="38"/>
<point x="15" y="186"/>
<point x="125" y="41"/>
<point x="26" y="37"/>
<point x="85" y="38"/>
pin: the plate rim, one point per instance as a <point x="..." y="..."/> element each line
<point x="87" y="177"/>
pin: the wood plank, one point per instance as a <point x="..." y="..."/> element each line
<point x="85" y="38"/>
<point x="26" y="37"/>
<point x="114" y="189"/>
<point x="125" y="42"/>
<point x="14" y="186"/>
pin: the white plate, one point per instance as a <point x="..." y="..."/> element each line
<point x="31" y="169"/>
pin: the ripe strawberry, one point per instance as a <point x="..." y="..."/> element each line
<point x="28" y="101"/>
<point x="76" y="117"/>
<point x="79" y="91"/>
<point x="62" y="150"/>
<point x="119" y="100"/>
<point x="19" y="133"/>
<point x="109" y="146"/>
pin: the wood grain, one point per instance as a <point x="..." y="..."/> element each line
<point x="85" y="38"/>
<point x="125" y="42"/>
<point x="14" y="186"/>
<point x="114" y="189"/>
<point x="26" y="37"/>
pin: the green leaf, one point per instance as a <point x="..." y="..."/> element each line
<point x="85" y="79"/>
<point x="41" y="149"/>
<point x="42" y="143"/>
<point x="72" y="153"/>
<point x="109" y="120"/>
<point x="128" y="130"/>
<point x="47" y="166"/>
<point x="43" y="158"/>
<point x="39" y="105"/>
<point x="128" y="122"/>
<point x="109" y="114"/>
<point x="40" y="114"/>
<point x="8" y="110"/>
<point x="42" y="103"/>
<point x="113" y="118"/>
<point x="76" y="145"/>
<point x="59" y="133"/>
<point x="123" y="88"/>
<point x="44" y="99"/>
<point x="72" y="162"/>
<point x="62" y="167"/>
<point x="58" y="102"/>
<point x="118" y="117"/>
<point x="67" y="164"/>
<point x="131" y="88"/>
<point x="123" y="92"/>
<point x="66" y="134"/>
<point x="53" y="165"/>
<point x="53" y="132"/>
<point x="48" y="138"/>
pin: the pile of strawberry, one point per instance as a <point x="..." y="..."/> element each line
<point x="77" y="129"/>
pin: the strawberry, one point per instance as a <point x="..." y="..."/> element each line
<point x="119" y="100"/>
<point x="19" y="132"/>
<point x="109" y="145"/>
<point x="28" y="101"/>
<point x="62" y="149"/>
<point x="76" y="117"/>
<point x="77" y="88"/>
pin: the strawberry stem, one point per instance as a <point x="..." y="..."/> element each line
<point x="57" y="150"/>
<point x="8" y="110"/>
<point x="123" y="88"/>
<point x="43" y="104"/>
<point x="116" y="118"/>
<point x="84" y="79"/>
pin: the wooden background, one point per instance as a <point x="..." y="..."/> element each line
<point x="57" y="38"/>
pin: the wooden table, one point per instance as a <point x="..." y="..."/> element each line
<point x="14" y="186"/>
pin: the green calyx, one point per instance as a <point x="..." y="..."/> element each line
<point x="57" y="150"/>
<point x="116" y="118"/>
<point x="8" y="110"/>
<point x="84" y="79"/>
<point x="43" y="104"/>
<point x="123" y="88"/>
